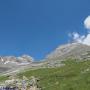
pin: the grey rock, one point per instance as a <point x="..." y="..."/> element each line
<point x="75" y="51"/>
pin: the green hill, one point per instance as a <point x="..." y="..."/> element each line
<point x="73" y="76"/>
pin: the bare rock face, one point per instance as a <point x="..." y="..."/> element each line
<point x="11" y="63"/>
<point x="72" y="50"/>
<point x="16" y="60"/>
<point x="25" y="58"/>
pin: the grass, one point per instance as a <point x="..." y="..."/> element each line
<point x="3" y="78"/>
<point x="72" y="76"/>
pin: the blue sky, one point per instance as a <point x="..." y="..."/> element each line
<point x="37" y="27"/>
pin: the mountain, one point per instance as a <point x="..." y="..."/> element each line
<point x="68" y="51"/>
<point x="73" y="75"/>
<point x="12" y="63"/>
<point x="16" y="60"/>
<point x="74" y="51"/>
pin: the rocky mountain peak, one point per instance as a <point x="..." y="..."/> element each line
<point x="71" y="50"/>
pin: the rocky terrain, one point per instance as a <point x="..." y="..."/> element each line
<point x="24" y="59"/>
<point x="12" y="63"/>
<point x="68" y="51"/>
<point x="75" y="51"/>
<point x="66" y="68"/>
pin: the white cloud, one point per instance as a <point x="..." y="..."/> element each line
<point x="87" y="23"/>
<point x="77" y="37"/>
<point x="87" y="40"/>
<point x="82" y="38"/>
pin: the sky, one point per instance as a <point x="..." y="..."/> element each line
<point x="37" y="27"/>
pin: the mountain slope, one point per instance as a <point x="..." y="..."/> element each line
<point x="68" y="51"/>
<point x="73" y="76"/>
<point x="74" y="50"/>
<point x="54" y="59"/>
<point x="12" y="63"/>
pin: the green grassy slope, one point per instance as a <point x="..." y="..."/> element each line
<point x="3" y="78"/>
<point x="72" y="76"/>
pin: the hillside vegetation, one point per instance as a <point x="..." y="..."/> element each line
<point x="73" y="76"/>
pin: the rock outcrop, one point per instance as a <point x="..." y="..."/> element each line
<point x="16" y="60"/>
<point x="75" y="51"/>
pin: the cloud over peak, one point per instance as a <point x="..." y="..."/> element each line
<point x="87" y="23"/>
<point x="84" y="39"/>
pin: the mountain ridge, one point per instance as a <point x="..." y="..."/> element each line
<point x="71" y="48"/>
<point x="75" y="51"/>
